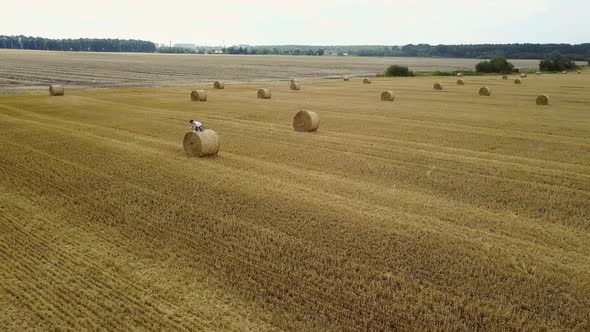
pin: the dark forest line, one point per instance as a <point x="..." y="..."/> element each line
<point x="579" y="52"/>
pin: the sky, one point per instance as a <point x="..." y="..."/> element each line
<point x="303" y="22"/>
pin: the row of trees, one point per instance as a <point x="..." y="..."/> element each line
<point x="279" y="50"/>
<point x="579" y="52"/>
<point x="498" y="64"/>
<point x="82" y="44"/>
<point x="554" y="62"/>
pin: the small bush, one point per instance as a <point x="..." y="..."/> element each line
<point x="398" y="71"/>
<point x="496" y="65"/>
<point x="556" y="62"/>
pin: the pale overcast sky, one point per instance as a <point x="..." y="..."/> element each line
<point x="310" y="22"/>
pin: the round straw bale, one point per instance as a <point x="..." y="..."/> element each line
<point x="459" y="74"/>
<point x="543" y="100"/>
<point x="264" y="93"/>
<point x="504" y="77"/>
<point x="366" y="81"/>
<point x="517" y="81"/>
<point x="306" y="121"/>
<point x="564" y="72"/>
<point x="201" y="143"/>
<point x="387" y="96"/>
<point x="485" y="91"/>
<point x="295" y="86"/>
<point x="346" y="78"/>
<point x="199" y="95"/>
<point x="56" y="90"/>
<point x="524" y="75"/>
<point x="219" y="85"/>
<point x="538" y="73"/>
<point x="460" y="82"/>
<point x="579" y="71"/>
<point x="437" y="86"/>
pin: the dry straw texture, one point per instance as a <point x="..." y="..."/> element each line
<point x="387" y="96"/>
<point x="293" y="80"/>
<point x="517" y="81"/>
<point x="543" y="100"/>
<point x="366" y="81"/>
<point x="504" y="77"/>
<point x="199" y="95"/>
<point x="538" y="73"/>
<point x="201" y="144"/>
<point x="459" y="74"/>
<point x="524" y="75"/>
<point x="56" y="90"/>
<point x="264" y="94"/>
<point x="454" y="212"/>
<point x="460" y="82"/>
<point x="485" y="91"/>
<point x="346" y="78"/>
<point x="564" y="72"/>
<point x="219" y="85"/>
<point x="295" y="86"/>
<point x="437" y="86"/>
<point x="579" y="71"/>
<point x="306" y="121"/>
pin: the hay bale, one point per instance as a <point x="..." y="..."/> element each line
<point x="564" y="72"/>
<point x="199" y="95"/>
<point x="517" y="81"/>
<point x="387" y="96"/>
<point x="579" y="71"/>
<point x="504" y="77"/>
<point x="459" y="74"/>
<point x="219" y="85"/>
<point x="293" y="80"/>
<point x="264" y="94"/>
<point x="524" y="75"/>
<point x="366" y="81"/>
<point x="306" y="121"/>
<point x="437" y="86"/>
<point x="460" y="82"/>
<point x="295" y="86"/>
<point x="538" y="73"/>
<point x="485" y="91"/>
<point x="346" y="78"/>
<point x="56" y="90"/>
<point x="543" y="100"/>
<point x="201" y="143"/>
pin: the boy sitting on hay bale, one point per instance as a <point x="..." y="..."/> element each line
<point x="196" y="125"/>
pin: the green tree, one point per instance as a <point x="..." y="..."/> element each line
<point x="497" y="64"/>
<point x="556" y="62"/>
<point x="398" y="71"/>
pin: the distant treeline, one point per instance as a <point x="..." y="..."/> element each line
<point x="579" y="52"/>
<point x="82" y="44"/>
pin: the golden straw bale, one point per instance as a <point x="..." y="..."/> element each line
<point x="306" y="121"/>
<point x="201" y="143"/>
<point x="264" y="94"/>
<point x="56" y="90"/>
<point x="199" y="95"/>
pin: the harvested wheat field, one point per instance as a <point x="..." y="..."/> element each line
<point x="24" y="71"/>
<point x="440" y="211"/>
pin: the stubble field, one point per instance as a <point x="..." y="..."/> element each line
<point x="25" y="71"/>
<point x="441" y="210"/>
